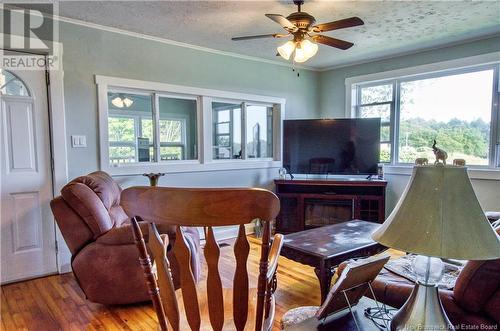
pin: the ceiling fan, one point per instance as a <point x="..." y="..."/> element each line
<point x="304" y="30"/>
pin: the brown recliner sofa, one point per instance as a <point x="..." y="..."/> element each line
<point x="98" y="234"/>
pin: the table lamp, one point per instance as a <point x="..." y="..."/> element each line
<point x="438" y="216"/>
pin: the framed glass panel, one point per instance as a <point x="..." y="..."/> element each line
<point x="375" y="94"/>
<point x="385" y="133"/>
<point x="178" y="128"/>
<point x="171" y="131"/>
<point x="455" y="110"/>
<point x="383" y="111"/>
<point x="10" y="84"/>
<point x="223" y="128"/>
<point x="385" y="152"/>
<point x="171" y="153"/>
<point x="121" y="130"/>
<point x="259" y="132"/>
<point x="130" y="127"/>
<point x="226" y="130"/>
<point x="121" y="154"/>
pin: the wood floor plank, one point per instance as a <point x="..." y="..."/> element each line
<point x="57" y="303"/>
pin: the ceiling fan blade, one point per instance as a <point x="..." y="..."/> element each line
<point x="259" y="36"/>
<point x="283" y="21"/>
<point x="333" y="42"/>
<point x="340" y="24"/>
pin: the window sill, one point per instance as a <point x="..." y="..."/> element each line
<point x="190" y="166"/>
<point x="474" y="173"/>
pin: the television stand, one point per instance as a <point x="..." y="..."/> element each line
<point x="311" y="203"/>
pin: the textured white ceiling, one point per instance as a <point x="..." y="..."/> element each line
<point x="391" y="27"/>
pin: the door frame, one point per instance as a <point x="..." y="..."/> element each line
<point x="58" y="145"/>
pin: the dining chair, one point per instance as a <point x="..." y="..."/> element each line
<point x="206" y="208"/>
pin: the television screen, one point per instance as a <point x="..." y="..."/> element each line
<point x="332" y="146"/>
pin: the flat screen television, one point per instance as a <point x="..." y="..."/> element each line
<point x="332" y="146"/>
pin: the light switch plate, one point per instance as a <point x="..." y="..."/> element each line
<point x="78" y="141"/>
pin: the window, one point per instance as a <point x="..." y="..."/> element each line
<point x="259" y="129"/>
<point x="229" y="142"/>
<point x="378" y="101"/>
<point x="131" y="129"/>
<point x="226" y="130"/>
<point x="10" y="84"/>
<point x="454" y="107"/>
<point x="156" y="127"/>
<point x="178" y="128"/>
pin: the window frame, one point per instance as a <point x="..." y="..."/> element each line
<point x="204" y="98"/>
<point x="448" y="68"/>
<point x="392" y="112"/>
<point x="231" y="123"/>
<point x="244" y="128"/>
<point x="243" y="109"/>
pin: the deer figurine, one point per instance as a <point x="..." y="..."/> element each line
<point x="439" y="153"/>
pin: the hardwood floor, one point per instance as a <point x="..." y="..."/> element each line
<point x="57" y="303"/>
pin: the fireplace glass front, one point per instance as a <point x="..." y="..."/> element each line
<point x="320" y="212"/>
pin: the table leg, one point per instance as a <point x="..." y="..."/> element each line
<point x="324" y="274"/>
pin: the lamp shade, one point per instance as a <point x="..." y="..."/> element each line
<point x="439" y="215"/>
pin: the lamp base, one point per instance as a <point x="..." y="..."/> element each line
<point x="422" y="311"/>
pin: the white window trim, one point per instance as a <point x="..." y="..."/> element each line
<point x="204" y="125"/>
<point x="475" y="172"/>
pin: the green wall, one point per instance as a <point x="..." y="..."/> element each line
<point x="332" y="82"/>
<point x="89" y="51"/>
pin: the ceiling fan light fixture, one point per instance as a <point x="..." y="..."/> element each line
<point x="117" y="102"/>
<point x="300" y="56"/>
<point x="120" y="101"/>
<point x="128" y="102"/>
<point x="305" y="50"/>
<point x="286" y="49"/>
<point x="309" y="48"/>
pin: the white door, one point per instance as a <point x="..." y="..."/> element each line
<point x="27" y="226"/>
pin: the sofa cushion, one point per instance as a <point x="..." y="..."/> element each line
<point x="476" y="284"/>
<point x="88" y="206"/>
<point x="96" y="199"/>
<point x="104" y="186"/>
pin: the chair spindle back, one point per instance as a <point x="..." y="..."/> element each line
<point x="206" y="208"/>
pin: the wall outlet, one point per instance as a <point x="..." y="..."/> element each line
<point x="78" y="141"/>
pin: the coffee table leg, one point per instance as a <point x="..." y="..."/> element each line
<point x="324" y="274"/>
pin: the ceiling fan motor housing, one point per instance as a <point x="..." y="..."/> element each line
<point x="302" y="20"/>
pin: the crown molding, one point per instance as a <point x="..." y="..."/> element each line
<point x="175" y="43"/>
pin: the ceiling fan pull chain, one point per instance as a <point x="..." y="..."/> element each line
<point x="295" y="70"/>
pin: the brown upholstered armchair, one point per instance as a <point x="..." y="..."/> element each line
<point x="98" y="234"/>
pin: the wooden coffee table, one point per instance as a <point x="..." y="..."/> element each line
<point x="326" y="247"/>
